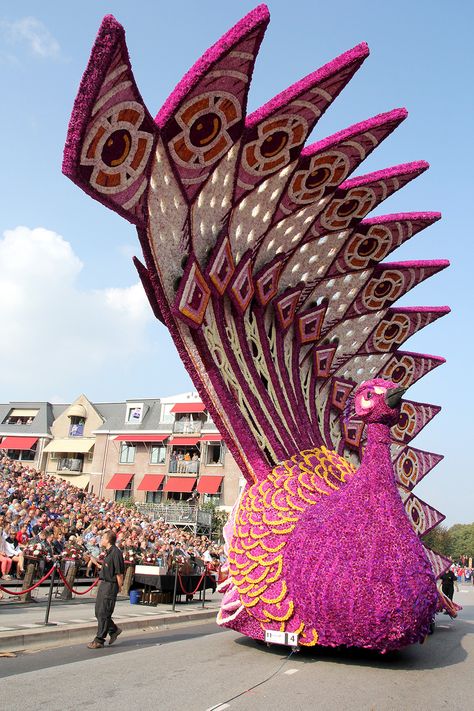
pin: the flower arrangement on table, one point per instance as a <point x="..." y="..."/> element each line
<point x="132" y="556"/>
<point x="181" y="562"/>
<point x="148" y="558"/>
<point x="73" y="552"/>
<point x="35" y="551"/>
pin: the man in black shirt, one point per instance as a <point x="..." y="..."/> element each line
<point x="447" y="583"/>
<point x="111" y="581"/>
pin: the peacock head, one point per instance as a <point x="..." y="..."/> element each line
<point x="378" y="401"/>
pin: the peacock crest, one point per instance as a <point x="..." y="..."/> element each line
<point x="262" y="263"/>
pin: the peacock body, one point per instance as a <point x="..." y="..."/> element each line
<point x="263" y="265"/>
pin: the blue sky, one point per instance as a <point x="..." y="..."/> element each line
<point x="73" y="317"/>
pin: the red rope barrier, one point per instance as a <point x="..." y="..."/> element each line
<point x="76" y="592"/>
<point x="23" y="592"/>
<point x="193" y="592"/>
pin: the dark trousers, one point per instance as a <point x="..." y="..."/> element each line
<point x="104" y="608"/>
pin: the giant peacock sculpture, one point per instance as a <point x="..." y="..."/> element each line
<point x="260" y="261"/>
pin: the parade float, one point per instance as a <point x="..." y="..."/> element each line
<point x="259" y="258"/>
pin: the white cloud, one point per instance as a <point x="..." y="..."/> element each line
<point x="54" y="333"/>
<point x="33" y="33"/>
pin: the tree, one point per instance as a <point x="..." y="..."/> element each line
<point x="462" y="540"/>
<point x="439" y="540"/>
<point x="219" y="519"/>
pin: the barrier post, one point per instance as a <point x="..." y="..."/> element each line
<point x="31" y="569"/>
<point x="47" y="623"/>
<point x="204" y="587"/>
<point x="175" y="586"/>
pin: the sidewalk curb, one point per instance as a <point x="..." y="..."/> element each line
<point x="63" y="635"/>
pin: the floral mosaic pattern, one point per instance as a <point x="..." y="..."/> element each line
<point x="261" y="260"/>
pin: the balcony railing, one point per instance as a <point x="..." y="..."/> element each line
<point x="177" y="514"/>
<point x="181" y="427"/>
<point x="70" y="465"/>
<point x="182" y="467"/>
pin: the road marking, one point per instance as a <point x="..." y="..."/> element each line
<point x="291" y="671"/>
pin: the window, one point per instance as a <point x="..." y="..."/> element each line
<point x="124" y="493"/>
<point x="134" y="413"/>
<point x="127" y="453"/>
<point x="22" y="455"/>
<point x="157" y="454"/>
<point x="76" y="428"/>
<point x="215" y="453"/>
<point x="20" y="417"/>
<point x="154" y="497"/>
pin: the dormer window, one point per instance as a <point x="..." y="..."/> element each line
<point x="134" y="413"/>
<point x="77" y="415"/>
<point x="20" y="416"/>
<point x="76" y="428"/>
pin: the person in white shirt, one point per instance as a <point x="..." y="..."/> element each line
<point x="10" y="553"/>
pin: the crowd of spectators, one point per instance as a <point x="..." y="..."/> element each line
<point x="38" y="508"/>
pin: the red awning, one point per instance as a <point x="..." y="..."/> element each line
<point x="179" y="484"/>
<point x="119" y="482"/>
<point x="209" y="484"/>
<point x="185" y="440"/>
<point x="188" y="407"/>
<point x="151" y="482"/>
<point x="18" y="442"/>
<point x="141" y="437"/>
<point x="213" y="437"/>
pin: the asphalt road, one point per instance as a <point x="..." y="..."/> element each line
<point x="201" y="667"/>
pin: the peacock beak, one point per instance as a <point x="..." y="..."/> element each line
<point x="393" y="396"/>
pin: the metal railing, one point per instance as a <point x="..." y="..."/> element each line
<point x="182" y="466"/>
<point x="181" y="427"/>
<point x="70" y="464"/>
<point x="178" y="514"/>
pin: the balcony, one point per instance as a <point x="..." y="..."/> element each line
<point x="179" y="515"/>
<point x="188" y="428"/>
<point x="70" y="464"/>
<point x="181" y="466"/>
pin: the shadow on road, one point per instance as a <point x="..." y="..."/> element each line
<point x="442" y="649"/>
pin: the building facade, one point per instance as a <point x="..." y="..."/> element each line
<point x="25" y="430"/>
<point x="148" y="450"/>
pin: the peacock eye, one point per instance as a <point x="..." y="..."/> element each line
<point x="274" y="143"/>
<point x="317" y="177"/>
<point x="347" y="208"/>
<point x="116" y="148"/>
<point x="205" y="129"/>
